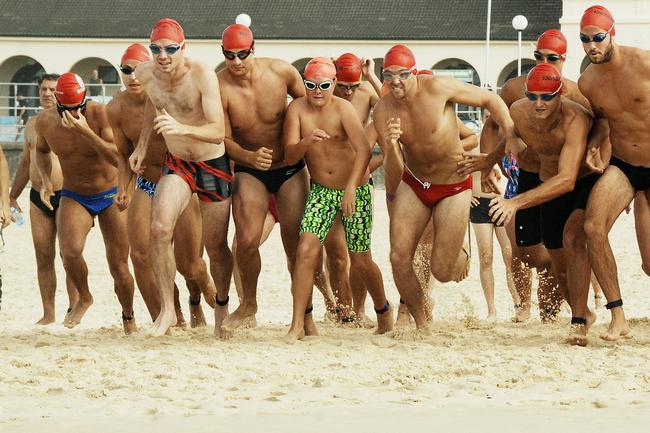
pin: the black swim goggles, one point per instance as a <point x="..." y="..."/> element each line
<point x="243" y="54"/>
<point x="324" y="86"/>
<point x="169" y="49"/>
<point x="597" y="38"/>
<point x="348" y="86"/>
<point x="551" y="58"/>
<point x="61" y="108"/>
<point x="127" y="70"/>
<point x="546" y="97"/>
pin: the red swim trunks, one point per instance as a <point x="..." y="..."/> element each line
<point x="210" y="180"/>
<point x="430" y="194"/>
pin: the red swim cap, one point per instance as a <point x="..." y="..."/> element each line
<point x="136" y="52"/>
<point x="348" y="68"/>
<point x="321" y="67"/>
<point x="543" y="78"/>
<point x="400" y="55"/>
<point x="168" y="28"/>
<point x="553" y="40"/>
<point x="237" y="37"/>
<point x="70" y="89"/>
<point x="425" y="72"/>
<point x="598" y="16"/>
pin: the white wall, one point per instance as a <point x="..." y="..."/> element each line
<point x="632" y="27"/>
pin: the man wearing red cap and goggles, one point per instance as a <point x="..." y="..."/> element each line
<point x="125" y="114"/>
<point x="362" y="94"/>
<point x="556" y="129"/>
<point x="187" y="112"/>
<point x="337" y="155"/>
<point x="527" y="247"/>
<point x="42" y="219"/>
<point x="616" y="84"/>
<point x="254" y="96"/>
<point x="79" y="133"/>
<point x="419" y="114"/>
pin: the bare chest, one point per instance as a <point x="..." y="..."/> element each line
<point x="361" y="105"/>
<point x="328" y="123"/>
<point x="543" y="142"/>
<point x="425" y="123"/>
<point x="250" y="106"/>
<point x="182" y="100"/>
<point x="132" y="123"/>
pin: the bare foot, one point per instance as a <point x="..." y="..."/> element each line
<point x="196" y="314"/>
<point x="180" y="320"/>
<point x="404" y="318"/>
<point x="618" y="327"/>
<point x="522" y="314"/>
<point x="77" y="313"/>
<point x="365" y="321"/>
<point x="129" y="325"/>
<point x="46" y="320"/>
<point x="591" y="318"/>
<point x="310" y="327"/>
<point x="491" y="317"/>
<point x="238" y="318"/>
<point x="578" y="335"/>
<point x="465" y="272"/>
<point x="220" y="314"/>
<point x="294" y="335"/>
<point x="166" y="319"/>
<point x="385" y="321"/>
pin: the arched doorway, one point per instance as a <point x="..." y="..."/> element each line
<point x="23" y="72"/>
<point x="105" y="71"/>
<point x="379" y="66"/>
<point x="510" y="70"/>
<point x="469" y="73"/>
<point x="301" y="63"/>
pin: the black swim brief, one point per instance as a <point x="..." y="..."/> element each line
<point x="35" y="197"/>
<point x="272" y="179"/>
<point x="557" y="211"/>
<point x="638" y="176"/>
<point x="528" y="222"/>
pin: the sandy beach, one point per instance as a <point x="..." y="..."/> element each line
<point x="469" y="376"/>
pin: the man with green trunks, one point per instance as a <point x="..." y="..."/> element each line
<point x="327" y="132"/>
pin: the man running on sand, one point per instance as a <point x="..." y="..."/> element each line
<point x="254" y="97"/>
<point x="125" y="114"/>
<point x="327" y="132"/>
<point x="616" y="84"/>
<point x="556" y="129"/>
<point x="185" y="95"/>
<point x="419" y="114"/>
<point x="42" y="219"/>
<point x="77" y="130"/>
<point x="525" y="232"/>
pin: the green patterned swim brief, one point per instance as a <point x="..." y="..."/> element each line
<point x="321" y="208"/>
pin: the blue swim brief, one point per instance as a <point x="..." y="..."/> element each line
<point x="146" y="185"/>
<point x="94" y="204"/>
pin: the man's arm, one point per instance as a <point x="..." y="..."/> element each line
<point x="295" y="86"/>
<point x="124" y="150"/>
<point x="468" y="138"/>
<point x="376" y="160"/>
<point x="5" y="216"/>
<point x="101" y="143"/>
<point x="368" y="70"/>
<point x="357" y="137"/>
<point x="146" y="134"/>
<point x="22" y="172"/>
<point x="294" y="147"/>
<point x="44" y="164"/>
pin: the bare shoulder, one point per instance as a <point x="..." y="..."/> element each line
<point x="518" y="107"/>
<point x="46" y="118"/>
<point x="281" y="68"/>
<point x="575" y="109"/>
<point x="198" y="68"/>
<point x="587" y="79"/>
<point x="637" y="58"/>
<point x="513" y="90"/>
<point x="145" y="71"/>
<point x="297" y="104"/>
<point x="114" y="106"/>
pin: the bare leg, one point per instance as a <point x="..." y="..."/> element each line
<point x="338" y="265"/>
<point x="506" y="253"/>
<point x="372" y="276"/>
<point x="73" y="225"/>
<point x="44" y="238"/>
<point x="611" y="194"/>
<point x="171" y="198"/>
<point x="598" y="291"/>
<point x="484" y="240"/>
<point x="302" y="282"/>
<point x="112" y="223"/>
<point x="642" y="226"/>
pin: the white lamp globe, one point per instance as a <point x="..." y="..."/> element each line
<point x="519" y="22"/>
<point x="243" y="19"/>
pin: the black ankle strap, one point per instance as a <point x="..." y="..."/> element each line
<point x="614" y="304"/>
<point x="198" y="301"/>
<point x="579" y="321"/>
<point x="222" y="303"/>
<point x="309" y="310"/>
<point x="127" y="318"/>
<point x="383" y="310"/>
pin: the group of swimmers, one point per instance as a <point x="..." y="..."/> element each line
<point x="161" y="164"/>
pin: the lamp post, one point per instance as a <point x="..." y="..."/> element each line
<point x="486" y="78"/>
<point x="520" y="23"/>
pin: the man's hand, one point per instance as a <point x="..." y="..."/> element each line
<point x="136" y="159"/>
<point x="46" y="193"/>
<point x="472" y="162"/>
<point x="594" y="161"/>
<point x="164" y="123"/>
<point x="5" y="215"/>
<point x="393" y="130"/>
<point x="515" y="145"/>
<point x="475" y="202"/>
<point x="261" y="159"/>
<point x="502" y="210"/>
<point x="367" y="66"/>
<point x="13" y="202"/>
<point x="122" y="199"/>
<point x="317" y="135"/>
<point x="80" y="125"/>
<point x="348" y="202"/>
<point x="490" y="180"/>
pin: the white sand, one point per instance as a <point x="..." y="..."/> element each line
<point x="468" y="377"/>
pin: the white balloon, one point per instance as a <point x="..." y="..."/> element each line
<point x="243" y="19"/>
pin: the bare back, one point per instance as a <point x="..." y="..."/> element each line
<point x="34" y="175"/>
<point x="255" y="108"/>
<point x="84" y="170"/>
<point x="182" y="97"/>
<point x="430" y="139"/>
<point x="621" y="93"/>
